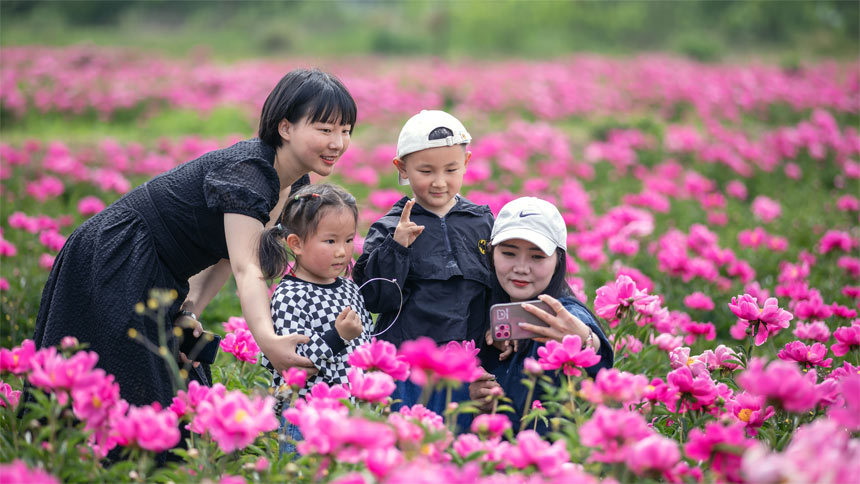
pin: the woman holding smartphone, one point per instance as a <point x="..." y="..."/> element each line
<point x="528" y="251"/>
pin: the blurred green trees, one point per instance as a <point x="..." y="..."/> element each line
<point x="707" y="30"/>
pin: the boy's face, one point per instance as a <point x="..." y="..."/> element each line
<point x="436" y="175"/>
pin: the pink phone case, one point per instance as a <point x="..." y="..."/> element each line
<point x="504" y="319"/>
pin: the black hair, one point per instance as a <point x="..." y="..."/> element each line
<point x="301" y="216"/>
<point x="556" y="288"/>
<point x="305" y="92"/>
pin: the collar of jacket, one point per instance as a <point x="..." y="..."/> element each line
<point x="463" y="205"/>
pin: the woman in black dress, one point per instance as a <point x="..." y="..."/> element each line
<point x="188" y="229"/>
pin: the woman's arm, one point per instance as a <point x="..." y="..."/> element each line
<point x="243" y="234"/>
<point x="205" y="285"/>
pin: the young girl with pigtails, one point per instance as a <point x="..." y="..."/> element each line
<point x="316" y="230"/>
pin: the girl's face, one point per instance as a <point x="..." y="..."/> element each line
<point x="523" y="270"/>
<point x="314" y="147"/>
<point x="325" y="254"/>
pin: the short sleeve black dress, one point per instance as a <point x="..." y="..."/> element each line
<point x="156" y="236"/>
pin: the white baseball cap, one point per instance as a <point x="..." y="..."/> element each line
<point x="531" y="219"/>
<point x="415" y="135"/>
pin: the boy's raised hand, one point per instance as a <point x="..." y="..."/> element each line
<point x="348" y="324"/>
<point x="407" y="230"/>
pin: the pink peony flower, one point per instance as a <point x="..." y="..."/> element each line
<point x="612" y="298"/>
<point x="381" y="461"/>
<point x="835" y="239"/>
<point x="242" y="345"/>
<point x="612" y="433"/>
<point x="815" y="331"/>
<point x="20" y="220"/>
<point x="52" y="372"/>
<point x="228" y="479"/>
<point x="332" y="432"/>
<point x="148" y="427"/>
<point x="295" y="377"/>
<point x="851" y="265"/>
<point x="680" y="357"/>
<point x="17" y="471"/>
<point x="234" y="323"/>
<point x="90" y="205"/>
<point x="722" y="446"/>
<point x="721" y="357"/>
<point x="766" y="209"/>
<point x="698" y="300"/>
<point x="568" y="355"/>
<point x="771" y="317"/>
<point x="532" y="367"/>
<point x="737" y="189"/>
<point x="323" y="396"/>
<point x="234" y="420"/>
<point x="431" y="364"/>
<point x="652" y="455"/>
<point x="699" y="391"/>
<point x="467" y="444"/>
<point x="666" y="341"/>
<point x="18" y="359"/>
<point x="46" y="261"/>
<point x="7" y="249"/>
<point x="4" y="284"/>
<point x="809" y="356"/>
<point x="848" y="203"/>
<point x="185" y="402"/>
<point x="531" y="449"/>
<point x="373" y="387"/>
<point x="382" y="356"/>
<point x="819" y="452"/>
<point x="781" y="383"/>
<point x="612" y="386"/>
<point x="745" y="307"/>
<point x="7" y="394"/>
<point x="847" y="338"/>
<point x="750" y="409"/>
<point x="490" y="426"/>
<point x="93" y="403"/>
<point x="847" y="412"/>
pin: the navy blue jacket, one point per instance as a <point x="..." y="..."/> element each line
<point x="509" y="373"/>
<point x="444" y="274"/>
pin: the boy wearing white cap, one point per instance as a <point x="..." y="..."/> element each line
<point x="433" y="245"/>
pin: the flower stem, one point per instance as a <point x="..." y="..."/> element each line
<point x="571" y="394"/>
<point x="527" y="406"/>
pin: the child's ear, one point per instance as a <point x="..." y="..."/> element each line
<point x="284" y="128"/>
<point x="401" y="167"/>
<point x="468" y="157"/>
<point x="294" y="242"/>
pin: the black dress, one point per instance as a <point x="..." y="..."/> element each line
<point x="156" y="236"/>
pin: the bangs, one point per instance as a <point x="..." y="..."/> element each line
<point x="332" y="105"/>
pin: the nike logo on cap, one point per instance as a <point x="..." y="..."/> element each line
<point x="524" y="214"/>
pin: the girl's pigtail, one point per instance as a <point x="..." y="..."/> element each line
<point x="273" y="255"/>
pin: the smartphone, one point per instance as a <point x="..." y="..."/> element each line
<point x="504" y="319"/>
<point x="203" y="349"/>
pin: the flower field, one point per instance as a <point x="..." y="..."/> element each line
<point x="713" y="224"/>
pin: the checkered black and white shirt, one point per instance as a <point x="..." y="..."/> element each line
<point x="311" y="309"/>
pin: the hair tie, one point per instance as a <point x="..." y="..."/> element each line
<point x="279" y="227"/>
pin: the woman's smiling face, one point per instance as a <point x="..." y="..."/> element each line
<point x="523" y="270"/>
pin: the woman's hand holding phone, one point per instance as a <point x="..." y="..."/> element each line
<point x="560" y="325"/>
